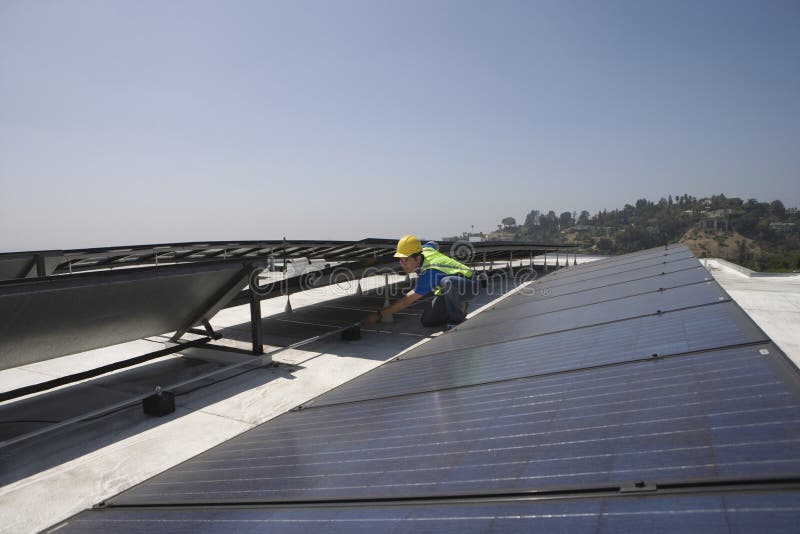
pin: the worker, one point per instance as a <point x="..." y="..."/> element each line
<point x="449" y="280"/>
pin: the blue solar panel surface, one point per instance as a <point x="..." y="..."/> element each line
<point x="488" y="332"/>
<point x="698" y="416"/>
<point x="621" y="264"/>
<point x="559" y="286"/>
<point x="665" y="334"/>
<point x="657" y="379"/>
<point x="541" y="300"/>
<point x="685" y="272"/>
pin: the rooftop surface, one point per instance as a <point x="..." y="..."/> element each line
<point x="771" y="300"/>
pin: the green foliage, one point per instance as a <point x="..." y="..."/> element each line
<point x="646" y="224"/>
<point x="605" y="245"/>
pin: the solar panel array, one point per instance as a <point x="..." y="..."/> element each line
<point x="59" y="262"/>
<point x="625" y="394"/>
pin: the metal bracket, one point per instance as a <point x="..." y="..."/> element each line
<point x="43" y="264"/>
<point x="208" y="330"/>
<point x="637" y="487"/>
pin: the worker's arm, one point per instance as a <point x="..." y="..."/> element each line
<point x="395" y="307"/>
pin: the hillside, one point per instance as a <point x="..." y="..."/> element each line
<point x="725" y="245"/>
<point x="763" y="236"/>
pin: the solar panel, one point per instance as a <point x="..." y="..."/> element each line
<point x="702" y="416"/>
<point x="626" y="258"/>
<point x="626" y="262"/>
<point x="547" y="288"/>
<point x="49" y="317"/>
<point x="670" y="333"/>
<point x="486" y="332"/>
<point x="774" y="511"/>
<point x="539" y="299"/>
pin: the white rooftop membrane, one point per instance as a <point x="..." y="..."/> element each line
<point x="771" y="300"/>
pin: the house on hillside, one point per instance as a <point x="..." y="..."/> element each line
<point x="716" y="221"/>
<point x="501" y="235"/>
<point x="783" y="228"/>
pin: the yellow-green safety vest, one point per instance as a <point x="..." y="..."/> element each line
<point x="433" y="259"/>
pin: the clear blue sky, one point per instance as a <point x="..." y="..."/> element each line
<point x="158" y="121"/>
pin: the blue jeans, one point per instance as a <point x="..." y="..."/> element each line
<point x="446" y="306"/>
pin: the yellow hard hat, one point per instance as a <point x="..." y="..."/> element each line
<point x="407" y="246"/>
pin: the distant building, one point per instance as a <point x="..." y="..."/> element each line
<point x="783" y="228"/>
<point x="721" y="213"/>
<point x="713" y="223"/>
<point x="500" y="235"/>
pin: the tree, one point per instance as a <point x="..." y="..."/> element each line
<point x="533" y="218"/>
<point x="509" y="222"/>
<point x="743" y="255"/>
<point x="718" y="202"/>
<point x="584" y="217"/>
<point x="777" y="208"/>
<point x="641" y="206"/>
<point x="605" y="245"/>
<point x="565" y="219"/>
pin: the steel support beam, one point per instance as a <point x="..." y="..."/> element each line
<point x="255" y="324"/>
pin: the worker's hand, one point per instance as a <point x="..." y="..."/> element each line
<point x="371" y="319"/>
